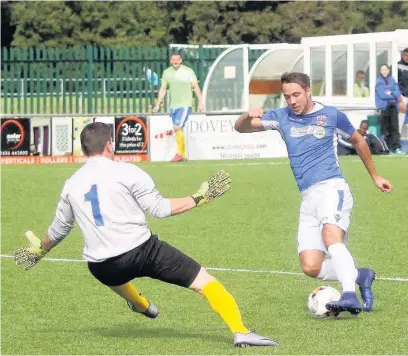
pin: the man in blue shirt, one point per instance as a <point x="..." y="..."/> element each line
<point x="310" y="132"/>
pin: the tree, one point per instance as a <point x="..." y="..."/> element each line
<point x="43" y="24"/>
<point x="121" y="23"/>
<point x="395" y="16"/>
<point x="7" y="29"/>
<point x="158" y="23"/>
<point x="230" y="22"/>
<point x="101" y="23"/>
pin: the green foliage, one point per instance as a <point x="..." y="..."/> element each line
<point x="121" y="23"/>
<point x="42" y="24"/>
<point x="7" y="29"/>
<point x="230" y="22"/>
<point x="158" y="23"/>
<point x="61" y="24"/>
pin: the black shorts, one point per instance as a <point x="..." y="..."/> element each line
<point x="154" y="258"/>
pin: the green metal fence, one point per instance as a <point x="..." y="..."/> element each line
<point x="88" y="80"/>
<point x="92" y="80"/>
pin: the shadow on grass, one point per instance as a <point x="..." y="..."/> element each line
<point x="132" y="331"/>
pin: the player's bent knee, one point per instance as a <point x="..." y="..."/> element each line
<point x="311" y="270"/>
<point x="202" y="279"/>
<point x="311" y="262"/>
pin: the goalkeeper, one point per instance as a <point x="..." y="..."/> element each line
<point x="109" y="199"/>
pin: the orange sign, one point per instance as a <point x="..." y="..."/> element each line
<point x="66" y="159"/>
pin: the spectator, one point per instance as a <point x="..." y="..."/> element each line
<point x="344" y="147"/>
<point x="377" y="146"/>
<point x="387" y="100"/>
<point x="363" y="129"/>
<point x="404" y="129"/>
<point x="403" y="75"/>
<point x="151" y="77"/>
<point x="360" y="88"/>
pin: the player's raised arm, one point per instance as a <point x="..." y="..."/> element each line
<point x="60" y="227"/>
<point x="362" y="149"/>
<point x="250" y="121"/>
<point x="346" y="129"/>
<point x="149" y="198"/>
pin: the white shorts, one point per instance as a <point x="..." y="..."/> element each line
<point x="327" y="202"/>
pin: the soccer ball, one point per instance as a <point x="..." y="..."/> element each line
<point x="319" y="298"/>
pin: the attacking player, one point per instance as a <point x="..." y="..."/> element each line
<point x="179" y="79"/>
<point x="309" y="130"/>
<point x="109" y="199"/>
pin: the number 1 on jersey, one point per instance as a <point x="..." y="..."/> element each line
<point x="92" y="196"/>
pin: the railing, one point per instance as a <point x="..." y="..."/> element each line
<point x="90" y="79"/>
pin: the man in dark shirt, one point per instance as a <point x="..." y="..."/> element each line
<point x="377" y="146"/>
<point x="403" y="74"/>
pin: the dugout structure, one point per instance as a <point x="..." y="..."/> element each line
<point x="234" y="84"/>
<point x="333" y="61"/>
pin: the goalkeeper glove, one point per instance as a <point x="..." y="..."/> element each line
<point x="216" y="186"/>
<point x="29" y="256"/>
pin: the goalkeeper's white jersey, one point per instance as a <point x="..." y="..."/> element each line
<point x="108" y="199"/>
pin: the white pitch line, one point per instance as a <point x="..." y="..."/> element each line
<point x="211" y="163"/>
<point x="249" y="163"/>
<point x="239" y="270"/>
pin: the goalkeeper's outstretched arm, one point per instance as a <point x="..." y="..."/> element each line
<point x="47" y="243"/>
<point x="181" y="205"/>
<point x="149" y="198"/>
<point x="216" y="186"/>
<point x="61" y="226"/>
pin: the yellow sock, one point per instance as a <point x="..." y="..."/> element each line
<point x="180" y="143"/>
<point x="129" y="292"/>
<point x="224" y="304"/>
<point x="183" y="145"/>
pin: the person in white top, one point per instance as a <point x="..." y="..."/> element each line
<point x="108" y="199"/>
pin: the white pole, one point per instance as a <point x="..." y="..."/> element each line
<point x="245" y="93"/>
<point x="80" y="103"/>
<point x="328" y="71"/>
<point x="350" y="70"/>
<point x="373" y="70"/>
<point x="306" y="60"/>
<point x="395" y="57"/>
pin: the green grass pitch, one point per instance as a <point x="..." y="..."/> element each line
<point x="58" y="308"/>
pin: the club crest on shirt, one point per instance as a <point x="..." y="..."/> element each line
<point x="319" y="132"/>
<point x="321" y="120"/>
